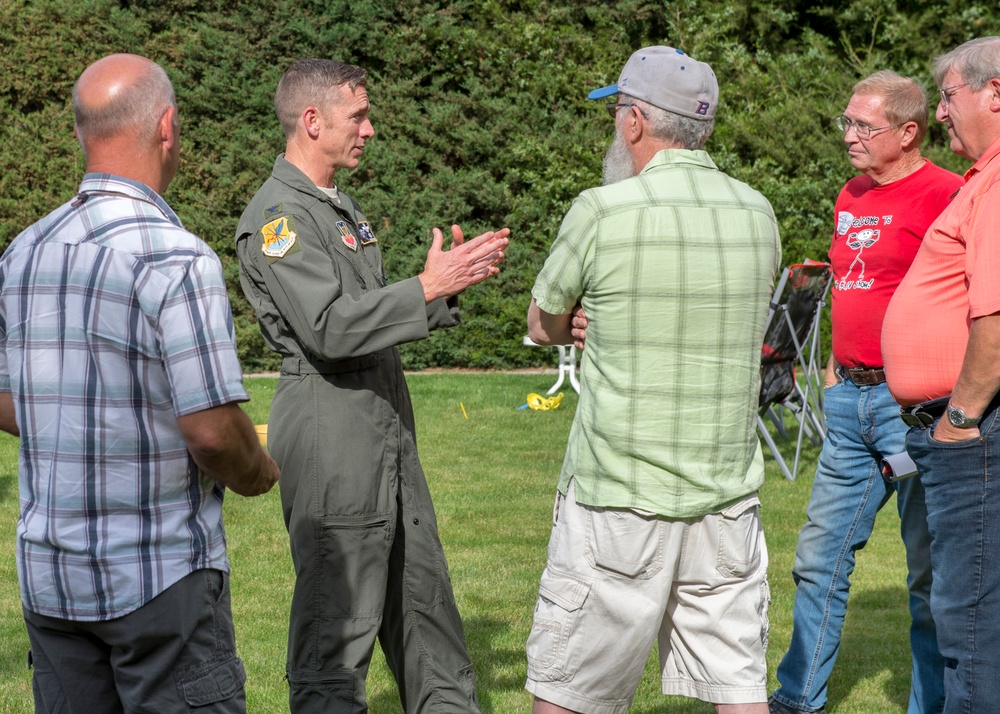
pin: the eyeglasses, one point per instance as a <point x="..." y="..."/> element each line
<point x="860" y="128"/>
<point x="945" y="97"/>
<point x="613" y="108"/>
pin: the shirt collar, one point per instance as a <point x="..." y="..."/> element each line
<point x="991" y="153"/>
<point x="110" y="183"/>
<point x="293" y="177"/>
<point x="679" y="157"/>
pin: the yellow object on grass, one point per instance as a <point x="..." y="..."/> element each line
<point x="544" y="404"/>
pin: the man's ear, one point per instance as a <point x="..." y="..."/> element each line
<point x="994" y="86"/>
<point x="634" y="125"/>
<point x="167" y="129"/>
<point x="311" y="120"/>
<point x="909" y="134"/>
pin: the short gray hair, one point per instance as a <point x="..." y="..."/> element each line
<point x="687" y="132"/>
<point x="903" y="100"/>
<point x="977" y="62"/>
<point x="138" y="107"/>
<point x="312" y="82"/>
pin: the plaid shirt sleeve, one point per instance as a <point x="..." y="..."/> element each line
<point x="197" y="340"/>
<point x="563" y="278"/>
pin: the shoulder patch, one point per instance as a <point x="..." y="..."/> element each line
<point x="366" y="233"/>
<point x="278" y="237"/>
<point x="273" y="211"/>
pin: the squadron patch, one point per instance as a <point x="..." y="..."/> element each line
<point x="278" y="238"/>
<point x="365" y="233"/>
<point x="345" y="235"/>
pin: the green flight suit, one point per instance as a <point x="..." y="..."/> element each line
<point x="361" y="525"/>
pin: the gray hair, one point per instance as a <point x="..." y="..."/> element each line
<point x="312" y="82"/>
<point x="137" y="107"/>
<point x="977" y="62"/>
<point x="664" y="125"/>
<point x="903" y="100"/>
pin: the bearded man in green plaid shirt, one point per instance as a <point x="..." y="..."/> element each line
<point x="669" y="267"/>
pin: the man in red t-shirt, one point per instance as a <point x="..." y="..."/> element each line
<point x="942" y="344"/>
<point x="880" y="218"/>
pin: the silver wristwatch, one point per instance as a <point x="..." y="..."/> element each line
<point x="959" y="420"/>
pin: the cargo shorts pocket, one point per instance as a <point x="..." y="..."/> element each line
<point x="556" y="637"/>
<point x="624" y="542"/>
<point x="740" y="539"/>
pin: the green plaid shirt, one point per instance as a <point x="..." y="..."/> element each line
<point x="674" y="268"/>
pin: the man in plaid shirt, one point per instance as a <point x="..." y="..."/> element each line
<point x="657" y="532"/>
<point x="118" y="371"/>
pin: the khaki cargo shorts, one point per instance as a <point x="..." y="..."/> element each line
<point x="617" y="581"/>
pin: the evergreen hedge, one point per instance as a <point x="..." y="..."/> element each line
<point x="480" y="114"/>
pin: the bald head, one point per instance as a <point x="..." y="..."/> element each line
<point x="120" y="95"/>
<point x="126" y="120"/>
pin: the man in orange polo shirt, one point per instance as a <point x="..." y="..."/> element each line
<point x="879" y="220"/>
<point x="941" y="346"/>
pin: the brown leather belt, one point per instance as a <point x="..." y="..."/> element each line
<point x="865" y="376"/>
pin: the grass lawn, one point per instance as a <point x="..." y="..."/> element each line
<point x="492" y="471"/>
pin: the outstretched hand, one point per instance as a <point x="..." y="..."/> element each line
<point x="449" y="272"/>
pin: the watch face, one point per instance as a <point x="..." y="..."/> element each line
<point x="958" y="419"/>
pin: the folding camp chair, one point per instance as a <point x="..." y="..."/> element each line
<point x="791" y="342"/>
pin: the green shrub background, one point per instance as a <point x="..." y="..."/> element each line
<point x="480" y="114"/>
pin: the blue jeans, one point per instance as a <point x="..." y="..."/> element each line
<point x="963" y="512"/>
<point x="863" y="424"/>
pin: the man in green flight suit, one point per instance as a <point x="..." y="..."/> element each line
<point x="363" y="536"/>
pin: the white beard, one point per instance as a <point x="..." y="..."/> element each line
<point x="617" y="163"/>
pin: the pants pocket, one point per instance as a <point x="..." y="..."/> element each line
<point x="740" y="538"/>
<point x="215" y="581"/>
<point x="552" y="657"/>
<point x="467" y="681"/>
<point x="352" y="565"/>
<point x="321" y="692"/>
<point x="217" y="682"/>
<point x="624" y="542"/>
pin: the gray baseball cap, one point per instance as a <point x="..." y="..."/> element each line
<point x="669" y="79"/>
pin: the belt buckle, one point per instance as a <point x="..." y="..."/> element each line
<point x="919" y="415"/>
<point x="912" y="416"/>
<point x="860" y="376"/>
<point x="864" y="376"/>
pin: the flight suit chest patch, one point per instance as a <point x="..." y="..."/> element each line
<point x="366" y="233"/>
<point x="346" y="236"/>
